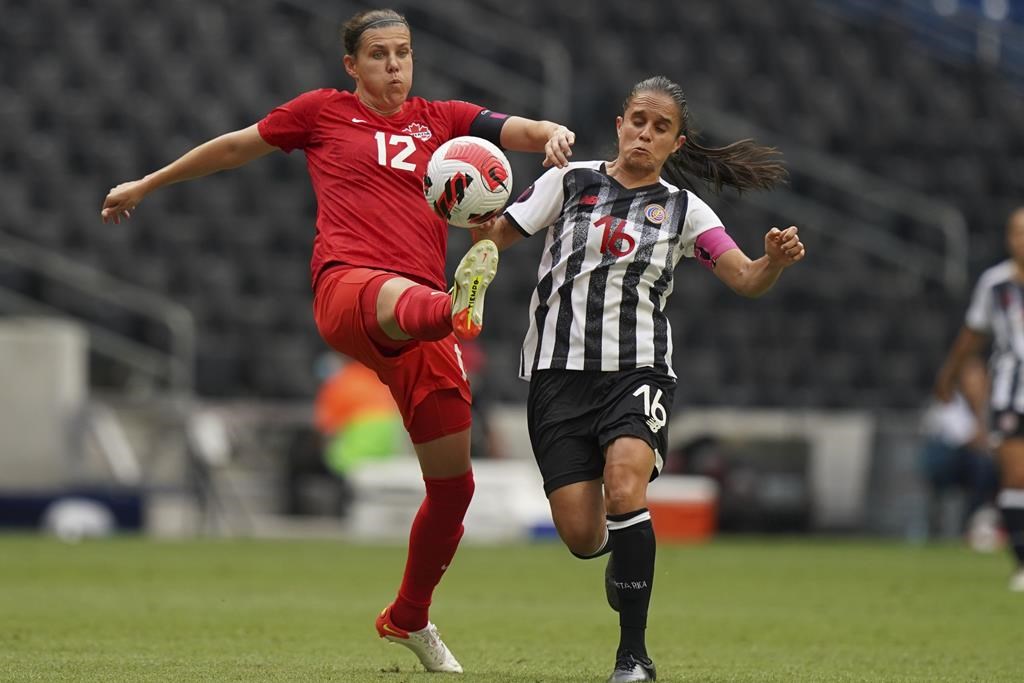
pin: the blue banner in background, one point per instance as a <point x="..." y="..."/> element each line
<point x="989" y="32"/>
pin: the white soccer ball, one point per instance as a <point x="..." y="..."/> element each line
<point x="468" y="181"/>
<point x="71" y="519"/>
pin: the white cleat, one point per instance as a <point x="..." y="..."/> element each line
<point x="425" y="643"/>
<point x="630" y="668"/>
<point x="1017" y="581"/>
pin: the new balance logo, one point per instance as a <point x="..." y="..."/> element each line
<point x="654" y="425"/>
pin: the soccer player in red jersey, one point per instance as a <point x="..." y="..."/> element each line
<point x="378" y="267"/>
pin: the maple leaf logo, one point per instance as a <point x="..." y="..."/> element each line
<point x="419" y="131"/>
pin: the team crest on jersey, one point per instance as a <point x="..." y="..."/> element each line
<point x="655" y="213"/>
<point x="419" y="131"/>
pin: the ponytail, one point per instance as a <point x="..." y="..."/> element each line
<point x="744" y="165"/>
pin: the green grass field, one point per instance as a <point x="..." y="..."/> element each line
<point x="735" y="610"/>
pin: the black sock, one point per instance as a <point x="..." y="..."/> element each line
<point x="1011" y="504"/>
<point x="633" y="549"/>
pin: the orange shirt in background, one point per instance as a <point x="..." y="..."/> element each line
<point x="352" y="392"/>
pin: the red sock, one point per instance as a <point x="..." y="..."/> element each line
<point x="424" y="313"/>
<point x="432" y="542"/>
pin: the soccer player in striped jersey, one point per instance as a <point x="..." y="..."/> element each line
<point x="598" y="350"/>
<point x="996" y="313"/>
<point x="378" y="268"/>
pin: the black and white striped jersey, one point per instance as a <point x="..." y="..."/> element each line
<point x="607" y="268"/>
<point x="997" y="309"/>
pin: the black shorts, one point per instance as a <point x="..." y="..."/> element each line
<point x="574" y="414"/>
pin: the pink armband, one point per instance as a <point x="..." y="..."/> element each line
<point x="711" y="244"/>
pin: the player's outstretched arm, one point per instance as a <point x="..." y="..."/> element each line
<point x="527" y="135"/>
<point x="968" y="343"/>
<point x="227" y="151"/>
<point x="782" y="248"/>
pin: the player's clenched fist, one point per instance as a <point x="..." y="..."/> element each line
<point x="784" y="247"/>
<point x="122" y="200"/>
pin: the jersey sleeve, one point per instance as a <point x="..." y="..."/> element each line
<point x="979" y="313"/>
<point x="539" y="204"/>
<point x="290" y="126"/>
<point x="699" y="219"/>
<point x="461" y="116"/>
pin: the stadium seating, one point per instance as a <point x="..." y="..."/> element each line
<point x="94" y="93"/>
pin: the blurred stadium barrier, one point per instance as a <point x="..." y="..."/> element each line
<point x="836" y="447"/>
<point x="43" y="363"/>
<point x="782" y="470"/>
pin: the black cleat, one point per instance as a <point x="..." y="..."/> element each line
<point x="629" y="667"/>
<point x="610" y="590"/>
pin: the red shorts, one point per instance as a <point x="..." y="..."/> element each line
<point x="417" y="370"/>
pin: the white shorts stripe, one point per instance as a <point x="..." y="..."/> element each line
<point x="1009" y="498"/>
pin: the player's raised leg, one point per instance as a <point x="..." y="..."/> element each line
<point x="577" y="510"/>
<point x="406" y="310"/>
<point x="580" y="519"/>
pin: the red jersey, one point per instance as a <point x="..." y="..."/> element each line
<point x="367" y="173"/>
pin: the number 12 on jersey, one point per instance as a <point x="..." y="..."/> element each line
<point x="398" y="160"/>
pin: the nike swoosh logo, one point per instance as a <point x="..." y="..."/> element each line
<point x="387" y="627"/>
<point x="358" y="120"/>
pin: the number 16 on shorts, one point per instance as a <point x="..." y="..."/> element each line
<point x="653" y="409"/>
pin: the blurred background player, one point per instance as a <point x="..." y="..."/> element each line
<point x="357" y="416"/>
<point x="955" y="457"/>
<point x="355" y="420"/>
<point x="378" y="267"/>
<point x="996" y="312"/>
<point x="598" y="351"/>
